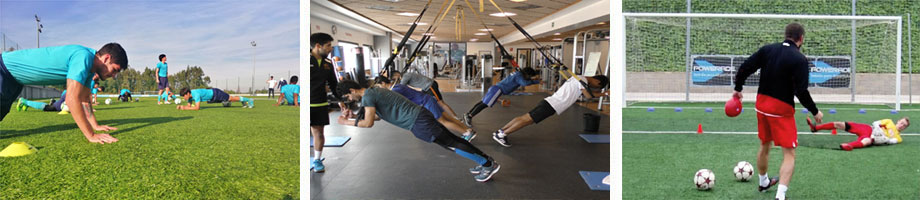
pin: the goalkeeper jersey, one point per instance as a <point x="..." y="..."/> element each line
<point x="885" y="132"/>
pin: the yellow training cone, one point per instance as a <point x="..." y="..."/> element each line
<point x="18" y="149"/>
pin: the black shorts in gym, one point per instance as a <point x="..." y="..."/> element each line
<point x="319" y="116"/>
<point x="542" y="111"/>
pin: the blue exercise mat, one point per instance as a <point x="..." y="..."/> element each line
<point x="333" y="141"/>
<point x="594" y="179"/>
<point x="520" y="94"/>
<point x="596" y="138"/>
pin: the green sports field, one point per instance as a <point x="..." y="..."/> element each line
<point x="661" y="165"/>
<point x="162" y="153"/>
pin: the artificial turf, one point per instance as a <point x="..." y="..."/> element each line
<point x="662" y="165"/>
<point x="162" y="153"/>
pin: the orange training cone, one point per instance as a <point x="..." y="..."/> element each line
<point x="833" y="131"/>
<point x="699" y="129"/>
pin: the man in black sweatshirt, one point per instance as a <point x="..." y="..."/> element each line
<point x="783" y="74"/>
<point x="321" y="75"/>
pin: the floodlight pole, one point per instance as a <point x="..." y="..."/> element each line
<point x="253" y="86"/>
<point x="39" y="27"/>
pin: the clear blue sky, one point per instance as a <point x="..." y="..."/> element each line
<point x="215" y="35"/>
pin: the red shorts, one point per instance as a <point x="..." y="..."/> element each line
<point x="776" y="122"/>
<point x="861" y="130"/>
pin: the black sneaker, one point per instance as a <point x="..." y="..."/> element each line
<point x="773" y="181"/>
<point x="468" y="120"/>
<point x="501" y="140"/>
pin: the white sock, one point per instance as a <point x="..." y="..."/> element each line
<point x="764" y="180"/>
<point x="317" y="155"/>
<point x="501" y="133"/>
<point x="781" y="192"/>
<point x="467" y="133"/>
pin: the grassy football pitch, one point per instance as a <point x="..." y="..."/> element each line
<point x="661" y="153"/>
<point x="162" y="153"/>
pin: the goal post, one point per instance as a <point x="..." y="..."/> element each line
<point x="852" y="59"/>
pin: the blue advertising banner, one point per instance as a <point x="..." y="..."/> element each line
<point x="720" y="70"/>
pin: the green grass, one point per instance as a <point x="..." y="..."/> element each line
<point x="162" y="153"/>
<point x="661" y="166"/>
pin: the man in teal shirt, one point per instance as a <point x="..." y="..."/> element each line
<point x="209" y="95"/>
<point x="73" y="65"/>
<point x="290" y="93"/>
<point x="162" y="80"/>
<point x="125" y="95"/>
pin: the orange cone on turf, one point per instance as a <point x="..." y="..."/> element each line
<point x="833" y="131"/>
<point x="699" y="129"/>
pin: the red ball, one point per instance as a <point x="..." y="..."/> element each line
<point x="733" y="107"/>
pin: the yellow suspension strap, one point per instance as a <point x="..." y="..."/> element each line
<point x="504" y="52"/>
<point x="402" y="43"/>
<point x="426" y="37"/>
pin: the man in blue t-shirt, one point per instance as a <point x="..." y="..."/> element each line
<point x="73" y="65"/>
<point x="290" y="94"/>
<point x="162" y="80"/>
<point x="210" y="95"/>
<point x="527" y="76"/>
<point x="399" y="111"/>
<point x="125" y="95"/>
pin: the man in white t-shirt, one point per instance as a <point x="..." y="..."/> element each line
<point x="272" y="84"/>
<point x="564" y="97"/>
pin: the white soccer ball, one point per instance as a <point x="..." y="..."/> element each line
<point x="178" y="101"/>
<point x="743" y="171"/>
<point x="65" y="108"/>
<point x="108" y="101"/>
<point x="704" y="179"/>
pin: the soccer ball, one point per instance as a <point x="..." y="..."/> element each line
<point x="743" y="171"/>
<point x="704" y="179"/>
<point x="65" y="108"/>
<point x="108" y="101"/>
<point x="178" y="101"/>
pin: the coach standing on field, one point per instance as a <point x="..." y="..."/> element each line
<point x="783" y="74"/>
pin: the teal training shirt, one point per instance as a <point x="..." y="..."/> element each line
<point x="289" y="91"/>
<point x="392" y="107"/>
<point x="202" y="95"/>
<point x="163" y="69"/>
<point x="51" y="65"/>
<point x="123" y="91"/>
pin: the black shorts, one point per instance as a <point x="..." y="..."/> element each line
<point x="542" y="111"/>
<point x="9" y="90"/>
<point x="319" y="116"/>
<point x="219" y="96"/>
<point x="435" y="91"/>
<point x="164" y="82"/>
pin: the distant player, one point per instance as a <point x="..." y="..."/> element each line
<point x="125" y="95"/>
<point x="424" y="84"/>
<point x="290" y="94"/>
<point x="527" y="76"/>
<point x="209" y="95"/>
<point x="783" y="74"/>
<point x="399" y="111"/>
<point x="96" y="89"/>
<point x="162" y="78"/>
<point x="73" y="65"/>
<point x="880" y="132"/>
<point x="430" y="104"/>
<point x="168" y="96"/>
<point x="564" y="97"/>
<point x="272" y="84"/>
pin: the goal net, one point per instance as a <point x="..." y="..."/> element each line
<point x="694" y="57"/>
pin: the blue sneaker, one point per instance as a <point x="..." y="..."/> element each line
<point x="470" y="136"/>
<point x="476" y="169"/>
<point x="486" y="173"/>
<point x="250" y="103"/>
<point x="318" y="166"/>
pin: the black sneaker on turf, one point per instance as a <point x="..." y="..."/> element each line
<point x="468" y="120"/>
<point x="501" y="140"/>
<point x="773" y="181"/>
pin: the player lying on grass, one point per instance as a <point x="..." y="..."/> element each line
<point x="290" y="94"/>
<point x="428" y="103"/>
<point x="125" y="95"/>
<point x="209" y="95"/>
<point x="525" y="77"/>
<point x="399" y="111"/>
<point x="880" y="132"/>
<point x="564" y="97"/>
<point x="423" y="84"/>
<point x="73" y="65"/>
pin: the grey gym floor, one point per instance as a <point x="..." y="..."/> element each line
<point x="387" y="162"/>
